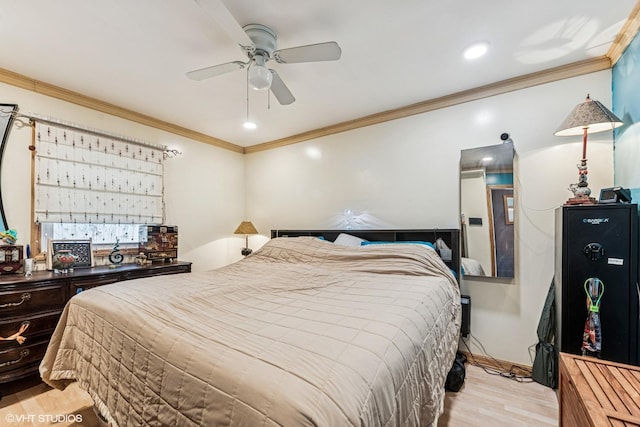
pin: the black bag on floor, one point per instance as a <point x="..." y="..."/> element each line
<point x="545" y="364"/>
<point x="455" y="377"/>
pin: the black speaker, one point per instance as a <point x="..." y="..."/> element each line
<point x="465" y="328"/>
<point x="598" y="242"/>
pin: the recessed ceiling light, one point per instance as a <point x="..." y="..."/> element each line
<point x="249" y="125"/>
<point x="476" y="50"/>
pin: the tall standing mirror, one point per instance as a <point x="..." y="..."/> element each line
<point x="487" y="207"/>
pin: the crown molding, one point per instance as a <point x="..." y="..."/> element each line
<point x="498" y="88"/>
<point x="24" y="82"/>
<point x="625" y="35"/>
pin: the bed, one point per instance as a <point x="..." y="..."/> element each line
<point x="303" y="332"/>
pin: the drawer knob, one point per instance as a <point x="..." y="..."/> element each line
<point x="24" y="353"/>
<point x="24" y="297"/>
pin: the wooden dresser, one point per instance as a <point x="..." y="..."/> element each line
<point x="597" y="393"/>
<point x="35" y="304"/>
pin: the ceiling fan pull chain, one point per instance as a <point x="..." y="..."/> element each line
<point x="247" y="97"/>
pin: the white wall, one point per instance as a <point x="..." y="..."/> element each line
<point x="404" y="174"/>
<point x="204" y="187"/>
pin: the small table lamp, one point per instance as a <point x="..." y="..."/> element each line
<point x="588" y="117"/>
<point x="246" y="228"/>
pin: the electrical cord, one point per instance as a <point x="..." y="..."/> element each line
<point x="492" y="370"/>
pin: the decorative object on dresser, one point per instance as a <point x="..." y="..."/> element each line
<point x="82" y="250"/>
<point x="588" y="117"/>
<point x="10" y="258"/>
<point x="29" y="266"/>
<point x="594" y="392"/>
<point x="159" y="242"/>
<point x="115" y="256"/>
<point x="31" y="306"/>
<point x="63" y="261"/>
<point x="9" y="237"/>
<point x="246" y="228"/>
<point x="141" y="259"/>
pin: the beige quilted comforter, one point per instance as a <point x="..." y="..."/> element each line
<point x="301" y="333"/>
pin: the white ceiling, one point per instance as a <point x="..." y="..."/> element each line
<point x="135" y="54"/>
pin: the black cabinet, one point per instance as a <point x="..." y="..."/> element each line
<point x="598" y="241"/>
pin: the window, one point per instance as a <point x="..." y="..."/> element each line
<point x="94" y="185"/>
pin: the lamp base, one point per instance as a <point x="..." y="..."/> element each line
<point x="581" y="200"/>
<point x="246" y="251"/>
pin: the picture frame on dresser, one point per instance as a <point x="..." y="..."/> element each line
<point x="81" y="248"/>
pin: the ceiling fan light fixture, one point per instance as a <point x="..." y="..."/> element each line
<point x="259" y="75"/>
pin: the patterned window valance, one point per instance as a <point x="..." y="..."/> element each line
<point x="83" y="177"/>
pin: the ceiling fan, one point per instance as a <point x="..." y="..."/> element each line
<point x="260" y="45"/>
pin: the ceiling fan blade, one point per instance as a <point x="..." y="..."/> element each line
<point x="216" y="70"/>
<point x="280" y="90"/>
<point x="329" y="51"/>
<point x="226" y="21"/>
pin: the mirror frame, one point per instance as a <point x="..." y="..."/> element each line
<point x="7" y="116"/>
<point x="497" y="176"/>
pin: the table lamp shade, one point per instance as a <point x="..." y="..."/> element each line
<point x="246" y="227"/>
<point x="590" y="115"/>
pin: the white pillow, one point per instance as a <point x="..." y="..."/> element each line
<point x="348" y="240"/>
<point x="445" y="251"/>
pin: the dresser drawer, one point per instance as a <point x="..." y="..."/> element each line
<point x="165" y="269"/>
<point x="83" y="283"/>
<point x="38" y="326"/>
<point x="31" y="299"/>
<point x="21" y="357"/>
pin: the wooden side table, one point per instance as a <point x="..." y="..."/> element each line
<point x="595" y="392"/>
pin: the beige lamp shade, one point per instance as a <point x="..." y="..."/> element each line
<point x="246" y="227"/>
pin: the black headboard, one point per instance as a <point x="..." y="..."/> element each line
<point x="450" y="236"/>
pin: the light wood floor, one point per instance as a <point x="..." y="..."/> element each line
<point x="490" y="400"/>
<point x="485" y="400"/>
